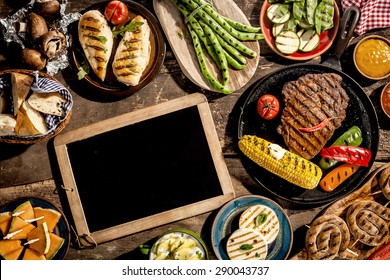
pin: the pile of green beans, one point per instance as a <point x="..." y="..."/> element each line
<point x="220" y="36"/>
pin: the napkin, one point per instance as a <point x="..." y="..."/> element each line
<point x="373" y="14"/>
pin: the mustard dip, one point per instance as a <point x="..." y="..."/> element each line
<point x="372" y="58"/>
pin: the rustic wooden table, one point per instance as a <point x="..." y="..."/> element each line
<point x="19" y="164"/>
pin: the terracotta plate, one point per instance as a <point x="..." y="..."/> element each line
<point x="226" y="222"/>
<point x="326" y="38"/>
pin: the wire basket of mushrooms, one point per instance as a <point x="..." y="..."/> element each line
<point x="40" y="30"/>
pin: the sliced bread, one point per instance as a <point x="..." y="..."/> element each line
<point x="7" y="124"/>
<point x="51" y="103"/>
<point x="29" y="121"/>
<point x="21" y="84"/>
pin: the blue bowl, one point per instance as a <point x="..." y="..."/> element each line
<point x="226" y="222"/>
<point x="61" y="229"/>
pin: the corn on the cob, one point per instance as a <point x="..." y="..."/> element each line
<point x="290" y="166"/>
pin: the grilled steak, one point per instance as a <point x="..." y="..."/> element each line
<point x="308" y="101"/>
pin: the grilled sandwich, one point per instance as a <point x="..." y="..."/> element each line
<point x="310" y="100"/>
<point x="133" y="53"/>
<point x="96" y="39"/>
<point x="262" y="219"/>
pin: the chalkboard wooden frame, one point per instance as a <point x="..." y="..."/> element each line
<point x="105" y="126"/>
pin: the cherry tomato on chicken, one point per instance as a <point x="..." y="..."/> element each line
<point x="268" y="106"/>
<point x="116" y="12"/>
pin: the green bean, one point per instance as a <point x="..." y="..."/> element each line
<point x="243" y="36"/>
<point x="206" y="41"/>
<point x="218" y="50"/>
<point x="224" y="34"/>
<point x="199" y="31"/>
<point x="299" y="11"/>
<point x="231" y="50"/>
<point x="323" y="16"/>
<point x="232" y="62"/>
<point x="242" y="27"/>
<point x="202" y="63"/>
<point x="310" y="10"/>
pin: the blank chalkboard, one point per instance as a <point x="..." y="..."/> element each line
<point x="143" y="169"/>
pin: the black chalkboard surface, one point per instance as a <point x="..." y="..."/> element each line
<point x="140" y="169"/>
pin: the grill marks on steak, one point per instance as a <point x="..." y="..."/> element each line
<point x="308" y="101"/>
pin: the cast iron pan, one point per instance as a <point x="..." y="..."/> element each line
<point x="360" y="112"/>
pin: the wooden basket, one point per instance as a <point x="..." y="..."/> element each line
<point x="15" y="139"/>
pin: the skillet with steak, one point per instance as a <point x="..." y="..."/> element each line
<point x="309" y="100"/>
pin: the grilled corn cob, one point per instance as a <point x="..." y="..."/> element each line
<point x="281" y="162"/>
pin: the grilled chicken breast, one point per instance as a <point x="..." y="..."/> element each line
<point x="132" y="54"/>
<point x="96" y="39"/>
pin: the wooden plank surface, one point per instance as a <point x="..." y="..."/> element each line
<point x="44" y="179"/>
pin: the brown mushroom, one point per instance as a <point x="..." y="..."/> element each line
<point x="36" y="25"/>
<point x="47" y="8"/>
<point x="53" y="43"/>
<point x="33" y="58"/>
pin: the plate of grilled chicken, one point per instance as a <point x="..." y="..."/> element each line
<point x="117" y="56"/>
<point x="323" y="113"/>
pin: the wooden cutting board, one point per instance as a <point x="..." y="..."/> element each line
<point x="172" y="22"/>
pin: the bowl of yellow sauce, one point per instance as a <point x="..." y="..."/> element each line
<point x="372" y="57"/>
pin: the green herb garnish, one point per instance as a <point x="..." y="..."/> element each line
<point x="246" y="247"/>
<point x="199" y="254"/>
<point x="131" y="27"/>
<point x="84" y="67"/>
<point x="260" y="219"/>
<point x="102" y="39"/>
<point x="181" y="35"/>
<point x="144" y="249"/>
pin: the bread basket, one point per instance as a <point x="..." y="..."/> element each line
<point x="44" y="83"/>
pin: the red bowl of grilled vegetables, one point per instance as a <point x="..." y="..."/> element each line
<point x="291" y="33"/>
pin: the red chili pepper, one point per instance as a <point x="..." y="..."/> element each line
<point x="349" y="154"/>
<point x="319" y="126"/>
<point x="382" y="253"/>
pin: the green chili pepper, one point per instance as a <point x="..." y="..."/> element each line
<point x="352" y="137"/>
